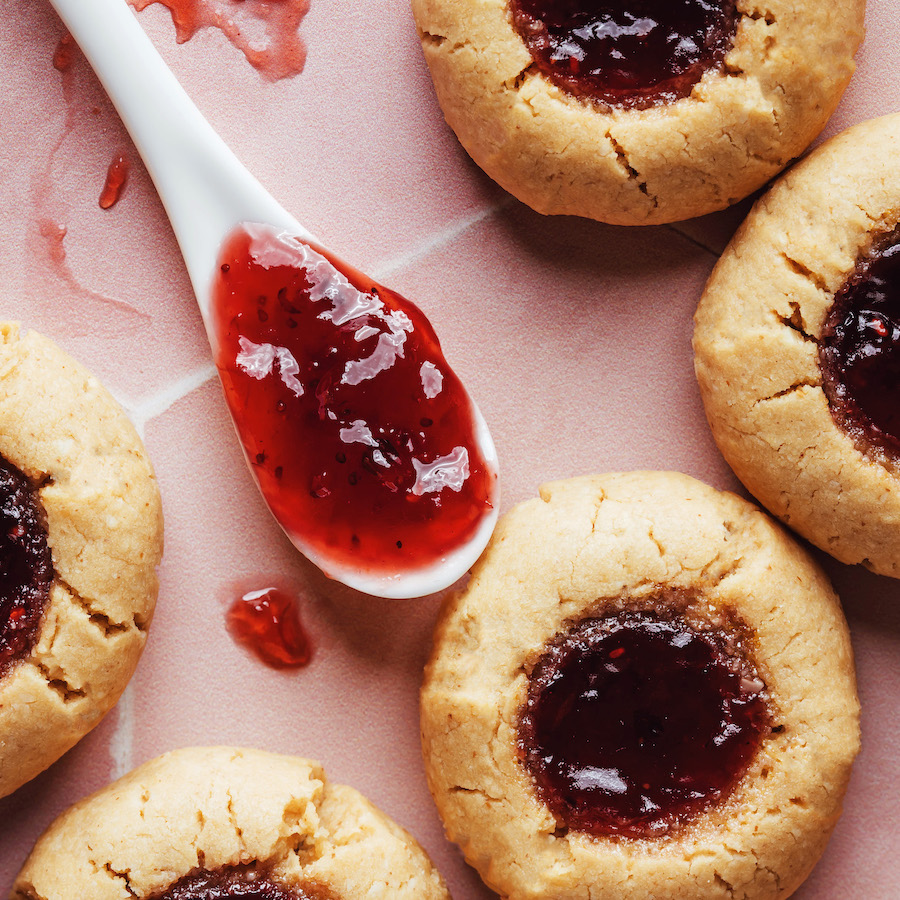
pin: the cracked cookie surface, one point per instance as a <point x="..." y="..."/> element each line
<point x="758" y="333"/>
<point x="90" y="474"/>
<point x="560" y="154"/>
<point x="594" y="547"/>
<point x="193" y="820"/>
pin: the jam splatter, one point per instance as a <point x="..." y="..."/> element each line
<point x="116" y="178"/>
<point x="860" y="352"/>
<point x="630" y="53"/>
<point x="26" y="567"/>
<point x="360" y="435"/>
<point x="267" y="622"/>
<point x="265" y="31"/>
<point x="635" y="723"/>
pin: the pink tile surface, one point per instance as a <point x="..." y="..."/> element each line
<point x="574" y="338"/>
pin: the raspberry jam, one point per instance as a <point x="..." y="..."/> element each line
<point x="627" y="53"/>
<point x="361" y="437"/>
<point x="859" y="353"/>
<point x="267" y="622"/>
<point x="26" y="567"/>
<point x="239" y="883"/>
<point x="116" y="177"/>
<point x="635" y="723"/>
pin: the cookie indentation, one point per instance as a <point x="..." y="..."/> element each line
<point x="239" y="883"/>
<point x="26" y="566"/>
<point x="638" y="721"/>
<point x="627" y="53"/>
<point x="860" y="351"/>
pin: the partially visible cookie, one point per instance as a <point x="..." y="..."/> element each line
<point x="207" y="823"/>
<point x="797" y="348"/>
<point x="637" y="112"/>
<point x="646" y="690"/>
<point x="80" y="539"/>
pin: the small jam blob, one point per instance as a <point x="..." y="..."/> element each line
<point x="26" y="567"/>
<point x="63" y="54"/>
<point x="267" y="622"/>
<point x="626" y="53"/>
<point x="361" y="437"/>
<point x="265" y="31"/>
<point x="859" y="353"/>
<point x="116" y="176"/>
<point x="239" y="883"/>
<point x="635" y="723"/>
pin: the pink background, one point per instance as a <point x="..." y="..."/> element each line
<point x="573" y="337"/>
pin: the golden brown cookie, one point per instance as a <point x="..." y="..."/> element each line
<point x="815" y="440"/>
<point x="81" y="538"/>
<point x="669" y="147"/>
<point x="646" y="690"/>
<point x="200" y="822"/>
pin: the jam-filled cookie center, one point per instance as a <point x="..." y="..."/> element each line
<point x="860" y="350"/>
<point x="26" y="566"/>
<point x="239" y="883"/>
<point x="634" y="723"/>
<point x="627" y="53"/>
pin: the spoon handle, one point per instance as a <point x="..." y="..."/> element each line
<point x="204" y="188"/>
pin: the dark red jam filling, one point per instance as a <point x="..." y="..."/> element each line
<point x="26" y="567"/>
<point x="267" y="622"/>
<point x="859" y="354"/>
<point x="360" y="435"/>
<point x="239" y="883"/>
<point x="627" y="53"/>
<point x="635" y="723"/>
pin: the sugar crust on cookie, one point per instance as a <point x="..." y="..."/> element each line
<point x="783" y="78"/>
<point x="61" y="428"/>
<point x="756" y="341"/>
<point x="575" y="552"/>
<point x="209" y="808"/>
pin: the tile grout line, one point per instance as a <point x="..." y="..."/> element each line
<point x="671" y="227"/>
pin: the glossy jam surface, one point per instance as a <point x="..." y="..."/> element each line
<point x="626" y="53"/>
<point x="359" y="434"/>
<point x="26" y="568"/>
<point x="860" y="351"/>
<point x="636" y="723"/>
<point x="267" y="622"/>
<point x="265" y="31"/>
<point x="116" y="178"/>
<point x="239" y="883"/>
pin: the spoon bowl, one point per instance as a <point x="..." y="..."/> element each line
<point x="371" y="405"/>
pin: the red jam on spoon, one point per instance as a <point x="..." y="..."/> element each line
<point x="636" y="722"/>
<point x="627" y="53"/>
<point x="239" y="883"/>
<point x="267" y="622"/>
<point x="26" y="567"/>
<point x="361" y="437"/>
<point x="860" y="352"/>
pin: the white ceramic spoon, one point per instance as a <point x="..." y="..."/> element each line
<point x="207" y="193"/>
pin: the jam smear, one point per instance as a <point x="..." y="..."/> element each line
<point x="116" y="177"/>
<point x="626" y="53"/>
<point x="26" y="567"/>
<point x="859" y="353"/>
<point x="636" y="722"/>
<point x="239" y="883"/>
<point x="265" y="31"/>
<point x="267" y="622"/>
<point x="63" y="55"/>
<point x="361" y="437"/>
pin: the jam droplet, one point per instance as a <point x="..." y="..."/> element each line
<point x="26" y="567"/>
<point x="860" y="351"/>
<point x="267" y="622"/>
<point x="263" y="30"/>
<point x="629" y="53"/>
<point x="64" y="53"/>
<point x="116" y="177"/>
<point x="335" y="406"/>
<point x="239" y="883"/>
<point x="634" y="723"/>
